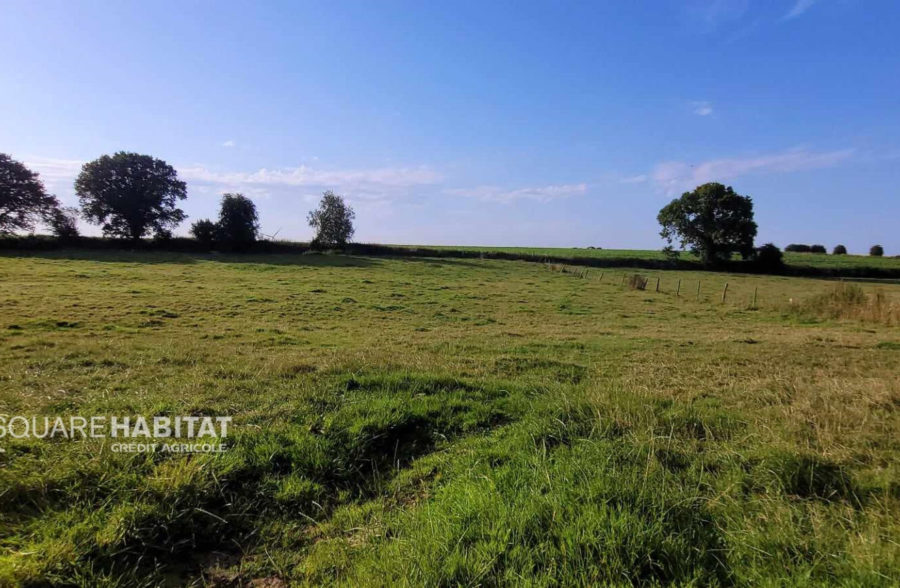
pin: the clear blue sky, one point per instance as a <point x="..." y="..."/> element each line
<point x="534" y="124"/>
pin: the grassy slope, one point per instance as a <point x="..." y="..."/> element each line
<point x="445" y="421"/>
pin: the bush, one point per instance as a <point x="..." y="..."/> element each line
<point x="818" y="249"/>
<point x="839" y="250"/>
<point x="769" y="257"/>
<point x="798" y="248"/>
<point x="204" y="231"/>
<point x="876" y="251"/>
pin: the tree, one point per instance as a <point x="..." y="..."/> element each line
<point x="876" y="251"/>
<point x="768" y="257"/>
<point x="238" y="224"/>
<point x="333" y="221"/>
<point x="713" y="220"/>
<point x="817" y="249"/>
<point x="23" y="199"/>
<point x="131" y="195"/>
<point x="839" y="250"/>
<point x="64" y="223"/>
<point x="204" y="231"/>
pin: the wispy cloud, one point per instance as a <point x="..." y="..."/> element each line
<point x="307" y="176"/>
<point x="374" y="183"/>
<point x="800" y="7"/>
<point x="702" y="108"/>
<point x="673" y="176"/>
<point x="229" y="143"/>
<point x="712" y="13"/>
<point x="540" y="194"/>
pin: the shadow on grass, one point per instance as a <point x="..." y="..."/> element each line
<point x="172" y="257"/>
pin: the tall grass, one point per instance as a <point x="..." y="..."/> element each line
<point x="850" y="301"/>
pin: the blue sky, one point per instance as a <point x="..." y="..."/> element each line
<point x="533" y="124"/>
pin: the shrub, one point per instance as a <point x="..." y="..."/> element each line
<point x="798" y="248"/>
<point x="637" y="282"/>
<point x="769" y="257"/>
<point x="818" y="249"/>
<point x="204" y="231"/>
<point x="839" y="250"/>
<point x="876" y="251"/>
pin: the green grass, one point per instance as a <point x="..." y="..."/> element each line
<point x="820" y="261"/>
<point x="447" y="422"/>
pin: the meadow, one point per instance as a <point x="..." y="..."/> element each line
<point x="419" y="421"/>
<point x="791" y="259"/>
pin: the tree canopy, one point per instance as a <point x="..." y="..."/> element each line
<point x="23" y="199"/>
<point x="333" y="220"/>
<point x="131" y="195"/>
<point x="238" y="224"/>
<point x="713" y="221"/>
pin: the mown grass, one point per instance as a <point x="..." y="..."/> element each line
<point x="450" y="422"/>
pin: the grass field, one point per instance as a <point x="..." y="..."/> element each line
<point x="825" y="261"/>
<point x="447" y="422"/>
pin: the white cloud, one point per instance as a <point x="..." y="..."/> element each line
<point x="800" y="6"/>
<point x="673" y="176"/>
<point x="229" y="143"/>
<point x="374" y="183"/>
<point x="702" y="108"/>
<point x="307" y="176"/>
<point x="540" y="194"/>
<point x="55" y="171"/>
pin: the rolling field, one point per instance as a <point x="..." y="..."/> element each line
<point x="415" y="421"/>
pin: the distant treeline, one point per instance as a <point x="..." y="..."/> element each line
<point x="188" y="245"/>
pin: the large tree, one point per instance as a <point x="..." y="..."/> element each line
<point x="713" y="221"/>
<point x="131" y="195"/>
<point x="23" y="199"/>
<point x="333" y="220"/>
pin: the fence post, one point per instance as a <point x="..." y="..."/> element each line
<point x="601" y="277"/>
<point x="623" y="279"/>
<point x="678" y="289"/>
<point x="754" y="295"/>
<point x="698" y="289"/>
<point x="724" y="291"/>
<point x="657" y="284"/>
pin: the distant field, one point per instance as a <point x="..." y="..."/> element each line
<point x="448" y="422"/>
<point x="797" y="259"/>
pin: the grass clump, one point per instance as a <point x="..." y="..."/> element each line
<point x="637" y="282"/>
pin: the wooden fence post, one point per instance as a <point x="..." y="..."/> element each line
<point x="754" y="296"/>
<point x="724" y="291"/>
<point x="698" y="289"/>
<point x="601" y="277"/>
<point x="657" y="284"/>
<point x="678" y="289"/>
